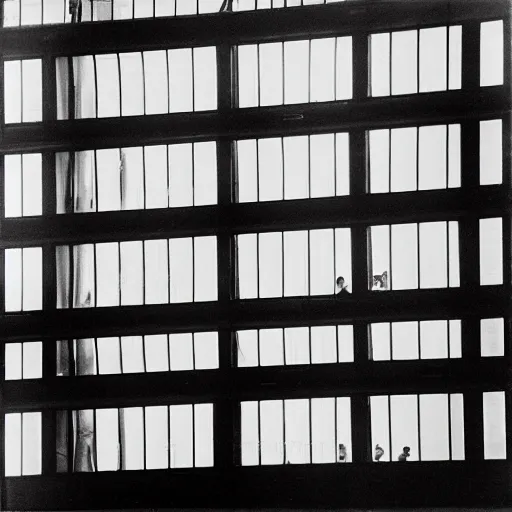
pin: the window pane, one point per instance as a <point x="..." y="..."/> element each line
<point x="495" y="444"/>
<point x="433" y="59"/>
<point x="491" y="152"/>
<point x="32" y="90"/>
<point x="491" y="251"/>
<point x="491" y="53"/>
<point x="404" y="62"/>
<point x="492" y="333"/>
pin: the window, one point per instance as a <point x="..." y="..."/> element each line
<point x="23" y="444"/>
<point x="295" y="72"/>
<point x="423" y="255"/>
<point x="138" y="354"/>
<point x="24" y="360"/>
<point x="431" y="426"/>
<point x="296" y="431"/>
<point x="412" y="61"/>
<point x="293" y="263"/>
<point x="296" y="345"/>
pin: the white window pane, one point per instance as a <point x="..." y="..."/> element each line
<point x="85" y="73"/>
<point x="13" y="189"/>
<point x="270" y="265"/>
<point x="403" y="159"/>
<point x="132" y="178"/>
<point x="248" y="75"/>
<point x="107" y="439"/>
<point x="321" y="250"/>
<point x="109" y="355"/>
<point x="13" y="362"/>
<point x="296" y="67"/>
<point x="205" y="78"/>
<point x="156" y="265"/>
<point x="54" y="11"/>
<point x="344" y="430"/>
<point x="271" y="347"/>
<point x="434" y="420"/>
<point x="404" y="425"/>
<point x="13" y="441"/>
<point x="132" y="84"/>
<point x="109" y="179"/>
<point x="345" y="344"/>
<point x="455" y="57"/>
<point x="432" y="157"/>
<point x="322" y="425"/>
<point x="434" y="339"/>
<point x="247" y="171"/>
<point x="32" y="90"/>
<point x="108" y="85"/>
<point x="131" y="273"/>
<point x="457" y="419"/>
<point x="271" y="73"/>
<point x="31" y="443"/>
<point x="322" y="69"/>
<point x="453" y="251"/>
<point x="495" y="442"/>
<point x="405" y="340"/>
<point x="297" y="441"/>
<point x="454" y="156"/>
<point x="205" y="173"/>
<point x="181" y="264"/>
<point x="32" y="184"/>
<point x="11" y="13"/>
<point x="181" y="436"/>
<point x="107" y="274"/>
<point x="184" y="7"/>
<point x="404" y="62"/>
<point x="181" y="351"/>
<point x="342" y="165"/>
<point x="206" y="350"/>
<point x="295" y="263"/>
<point x="455" y="338"/>
<point x="12" y="91"/>
<point x="379" y="253"/>
<point x="343" y="252"/>
<point x="32" y="278"/>
<point x="180" y="175"/>
<point x="180" y="80"/>
<point x="322" y="165"/>
<point x="101" y="11"/>
<point x="132" y="354"/>
<point x="205" y="268"/>
<point x="492" y="332"/>
<point x="343" y="68"/>
<point x="155" y="160"/>
<point x="270" y="169"/>
<point x="491" y="251"/>
<point x="380" y="342"/>
<point x="323" y="344"/>
<point x="164" y="8"/>
<point x="491" y="152"/>
<point x="250" y="433"/>
<point x="157" y="438"/>
<point x="297" y="345"/>
<point x="248" y="348"/>
<point x="203" y="435"/>
<point x="31" y="11"/>
<point x="271" y="433"/>
<point x="404" y="248"/>
<point x="491" y="53"/>
<point x="433" y="59"/>
<point x="433" y="255"/>
<point x="297" y="175"/>
<point x="32" y="360"/>
<point x="156" y="349"/>
<point x="143" y="9"/>
<point x="133" y="438"/>
<point x="155" y="81"/>
<point x="379" y="416"/>
<point x="379" y="62"/>
<point x="247" y="265"/>
<point x="379" y="141"/>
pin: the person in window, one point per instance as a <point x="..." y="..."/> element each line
<point x="380" y="282"/>
<point x="379" y="452"/>
<point x="342" y="287"/>
<point x="342" y="452"/>
<point x="406" y="453"/>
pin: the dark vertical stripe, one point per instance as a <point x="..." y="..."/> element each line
<point x="389" y="430"/>
<point x="193" y="80"/>
<point x="119" y="76"/>
<point x="418" y="421"/>
<point x="418" y="81"/>
<point x="283" y="409"/>
<point x="194" y="350"/>
<point x="96" y="99"/>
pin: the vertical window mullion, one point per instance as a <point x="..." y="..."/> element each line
<point x="450" y="448"/>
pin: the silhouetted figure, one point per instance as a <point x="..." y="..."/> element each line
<point x="75" y="9"/>
<point x="379" y="452"/>
<point x="227" y="6"/>
<point x="406" y="453"/>
<point x="342" y="453"/>
<point x="380" y="282"/>
<point x="342" y="287"/>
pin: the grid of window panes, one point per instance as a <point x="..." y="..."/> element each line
<point x="270" y="264"/>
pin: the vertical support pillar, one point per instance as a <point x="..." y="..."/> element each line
<point x="226" y="412"/>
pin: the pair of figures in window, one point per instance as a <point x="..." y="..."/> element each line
<point x="380" y="283"/>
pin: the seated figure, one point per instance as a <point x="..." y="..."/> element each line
<point x="380" y="282"/>
<point x="342" y="287"/>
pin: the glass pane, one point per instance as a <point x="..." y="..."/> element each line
<point x="433" y="59"/>
<point x="491" y="53"/>
<point x="297" y="440"/>
<point x="434" y="418"/>
<point x="203" y="435"/>
<point x="156" y="87"/>
<point x="108" y="86"/>
<point x="157" y="437"/>
<point x="404" y="62"/>
<point x="379" y="62"/>
<point x="404" y="426"/>
<point x="132" y="84"/>
<point x="491" y="251"/>
<point x="32" y="90"/>
<point x="31" y="443"/>
<point x="250" y="433"/>
<point x="495" y="443"/>
<point x="491" y="152"/>
<point x="492" y="332"/>
<point x="271" y="347"/>
<point x="297" y="72"/>
<point x="107" y="439"/>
